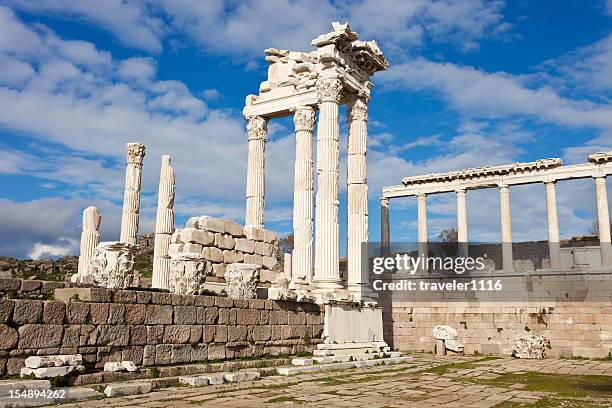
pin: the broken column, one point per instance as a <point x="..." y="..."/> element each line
<point x="303" y="196"/>
<point x="164" y="225"/>
<point x="257" y="129"/>
<point x="242" y="280"/>
<point x="90" y="238"/>
<point x="131" y="199"/>
<point x="357" y="193"/>
<point x="506" y="227"/>
<point x="327" y="241"/>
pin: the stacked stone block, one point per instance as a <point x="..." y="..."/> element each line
<point x="213" y="243"/>
<point x="152" y="328"/>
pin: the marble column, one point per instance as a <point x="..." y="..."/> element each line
<point x="357" y="193"/>
<point x="164" y="225"/>
<point x="135" y="153"/>
<point x="303" y="196"/>
<point x="327" y="239"/>
<point x="603" y="221"/>
<point x="385" y="231"/>
<point x="422" y="226"/>
<point x="257" y="129"/>
<point x="90" y="238"/>
<point x="462" y="234"/>
<point x="553" y="224"/>
<point x="506" y="227"/>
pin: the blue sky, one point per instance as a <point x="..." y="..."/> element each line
<point x="471" y="83"/>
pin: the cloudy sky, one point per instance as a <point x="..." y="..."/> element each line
<point x="471" y="83"/>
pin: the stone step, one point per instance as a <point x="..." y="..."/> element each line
<point x="129" y="388"/>
<point x="219" y="378"/>
<point x="344" y="352"/>
<point x="355" y="357"/>
<point x="317" y="368"/>
<point x="64" y="395"/>
<point x="7" y="385"/>
<point x="339" y="346"/>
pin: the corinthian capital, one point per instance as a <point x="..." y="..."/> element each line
<point x="304" y="118"/>
<point x="135" y="152"/>
<point x="329" y="89"/>
<point x="357" y="107"/>
<point x="257" y="127"/>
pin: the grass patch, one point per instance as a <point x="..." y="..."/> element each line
<point x="563" y="385"/>
<point x="443" y="369"/>
<point x="283" y="398"/>
<point x="551" y="402"/>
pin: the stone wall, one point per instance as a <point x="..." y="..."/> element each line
<point x="29" y="288"/>
<point x="217" y="242"/>
<point x="573" y="310"/>
<point x="152" y="328"/>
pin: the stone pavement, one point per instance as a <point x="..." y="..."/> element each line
<point x="427" y="381"/>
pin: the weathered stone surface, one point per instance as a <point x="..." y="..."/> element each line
<point x="224" y="241"/>
<point x="124" y="389"/>
<point x="187" y="275"/>
<point x="219" y="270"/>
<point x="269" y="262"/>
<point x="194" y="381"/>
<point x="34" y="336"/>
<point x="185" y="315"/>
<point x="530" y="346"/>
<point x="51" y="372"/>
<point x="213" y="254"/>
<point x="245" y="245"/>
<point x="54" y="361"/>
<point x="113" y="335"/>
<point x="263" y="248"/>
<point x="6" y="310"/>
<point x="216" y="352"/>
<point x="232" y="256"/>
<point x="233" y="228"/>
<point x="98" y="313"/>
<point x="176" y="334"/>
<point x="116" y="314"/>
<point x="197" y="236"/>
<point x="8" y="337"/>
<point x="112" y="265"/>
<point x="211" y="224"/>
<point x="77" y="312"/>
<point x="101" y="295"/>
<point x="214" y="379"/>
<point x="27" y="311"/>
<point x="242" y="280"/>
<point x="158" y="314"/>
<point x="54" y="312"/>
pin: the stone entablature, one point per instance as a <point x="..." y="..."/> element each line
<point x="152" y="328"/>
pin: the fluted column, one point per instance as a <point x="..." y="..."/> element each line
<point x="257" y="129"/>
<point x="385" y="231"/>
<point x="357" y="192"/>
<point x="603" y="221"/>
<point x="135" y="153"/>
<point x="506" y="227"/>
<point x="303" y="196"/>
<point x="90" y="238"/>
<point x="462" y="232"/>
<point x="327" y="240"/>
<point x="422" y="225"/>
<point x="553" y="225"/>
<point x="164" y="225"/>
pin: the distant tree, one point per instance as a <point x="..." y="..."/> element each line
<point x="594" y="230"/>
<point x="448" y="235"/>
<point x="285" y="244"/>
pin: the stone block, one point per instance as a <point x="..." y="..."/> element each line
<point x="98" y="313"/>
<point x="124" y="296"/>
<point x="253" y="259"/>
<point x="138" y="335"/>
<point x="7" y="386"/>
<point x="129" y="366"/>
<point x="212" y="254"/>
<point x="113" y="366"/>
<point x="192" y="248"/>
<point x="185" y="315"/>
<point x="133" y="354"/>
<point x="245" y="245"/>
<point x="216" y="352"/>
<point x="263" y="248"/>
<point x="77" y="312"/>
<point x="134" y="314"/>
<point x="301" y="361"/>
<point x="155" y="334"/>
<point x="194" y="381"/>
<point x="232" y="256"/>
<point x="158" y="314"/>
<point x="195" y="333"/>
<point x="269" y="236"/>
<point x="208" y="333"/>
<point x="248" y="316"/>
<point x="224" y="241"/>
<point x="269" y="262"/>
<point x="261" y="333"/>
<point x="148" y="356"/>
<point x="116" y="313"/>
<point x="214" y="379"/>
<point x="221" y="334"/>
<point x="48" y="288"/>
<point x="180" y="354"/>
<point x="233" y="228"/>
<point x="35" y="336"/>
<point x="124" y="389"/>
<point x="176" y="334"/>
<point x="219" y="270"/>
<point x="27" y="311"/>
<point x="50" y="372"/>
<point x="97" y="295"/>
<point x="6" y="310"/>
<point x="54" y="312"/>
<point x="163" y="354"/>
<point x="196" y="236"/>
<point x="72" y="335"/>
<point x="159" y="298"/>
<point x="253" y="233"/>
<point x="236" y="333"/>
<point x="113" y="335"/>
<point x="30" y="285"/>
<point x="212" y="224"/>
<point x="223" y="302"/>
<point x="192" y="222"/>
<point x="7" y="285"/>
<point x="8" y="337"/>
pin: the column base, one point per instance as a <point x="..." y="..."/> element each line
<point x="360" y="292"/>
<point x="331" y="285"/>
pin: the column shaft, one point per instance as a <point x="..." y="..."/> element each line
<point x="357" y="193"/>
<point x="506" y="227"/>
<point x="257" y="129"/>
<point x="422" y="218"/>
<point x="385" y="231"/>
<point x="462" y="234"/>
<point x="303" y="196"/>
<point x="131" y="199"/>
<point x="164" y="225"/>
<point x="90" y="238"/>
<point x="327" y="241"/>
<point x="553" y="225"/>
<point x="603" y="221"/>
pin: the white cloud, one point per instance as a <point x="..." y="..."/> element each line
<point x="65" y="247"/>
<point x="138" y="68"/>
